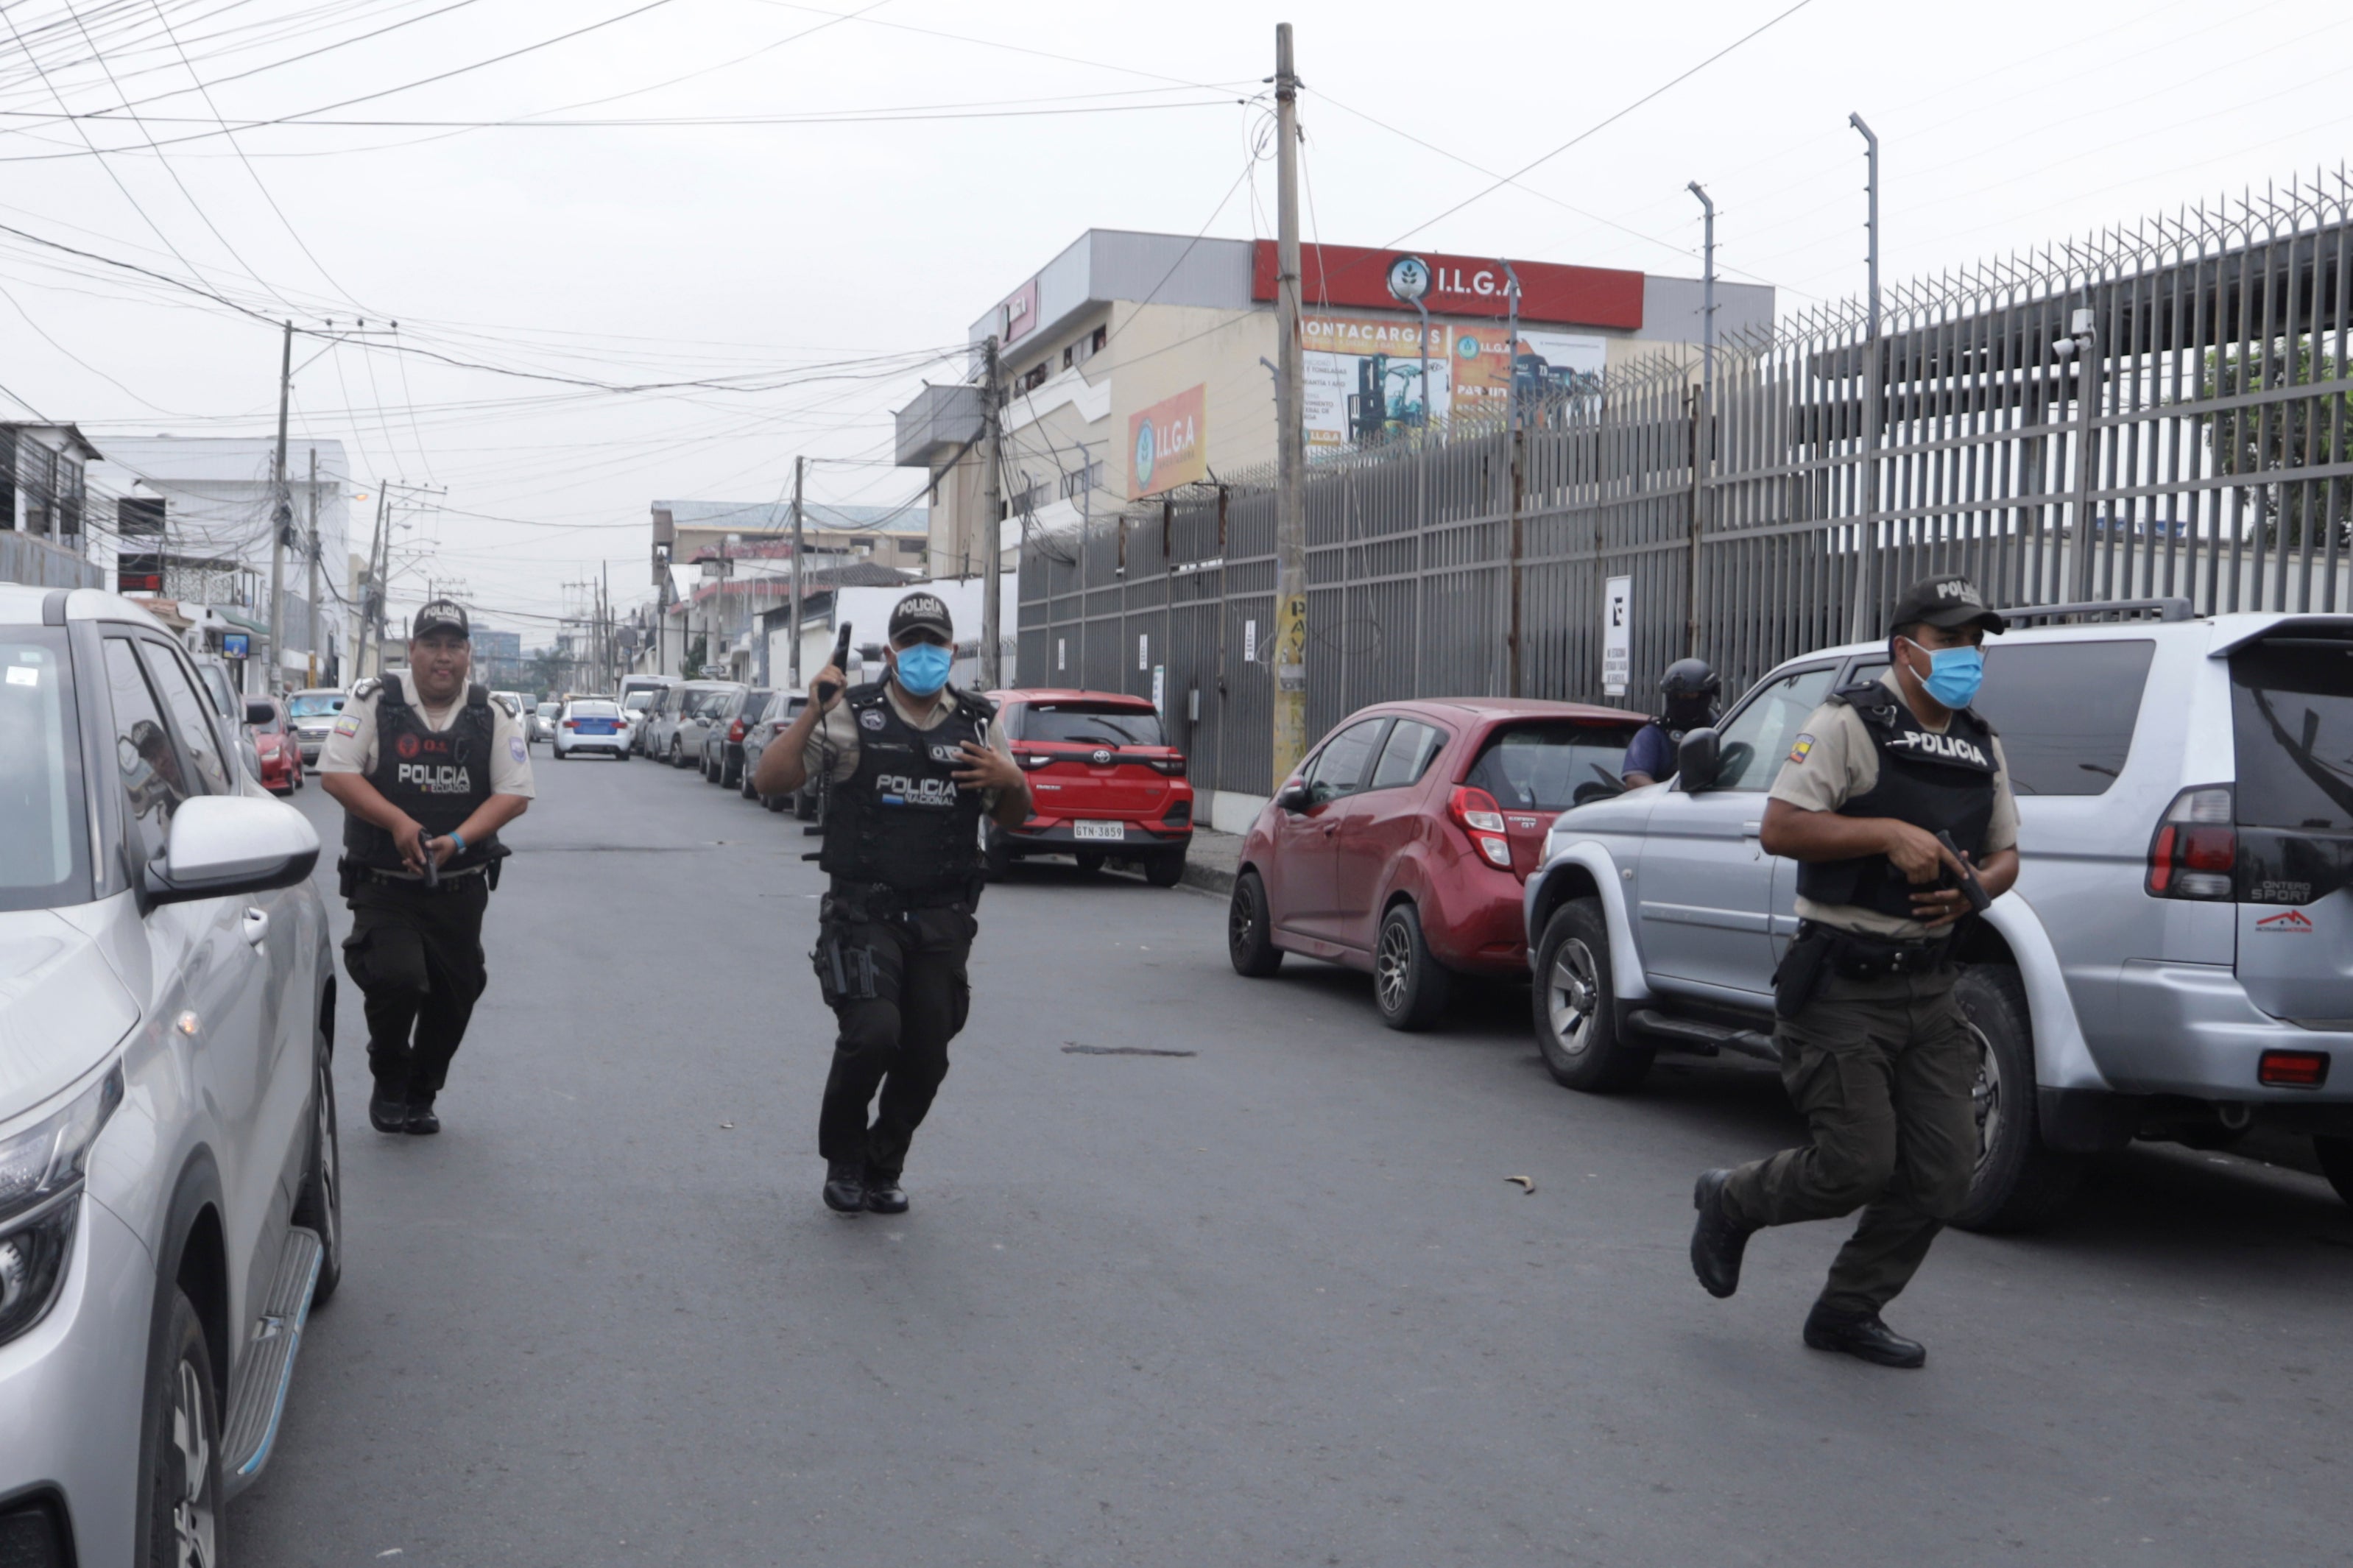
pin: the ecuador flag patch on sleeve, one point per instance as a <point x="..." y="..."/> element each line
<point x="1805" y="744"/>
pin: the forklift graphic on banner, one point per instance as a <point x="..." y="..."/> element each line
<point x="1389" y="395"/>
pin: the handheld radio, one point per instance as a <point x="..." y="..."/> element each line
<point x="828" y="692"/>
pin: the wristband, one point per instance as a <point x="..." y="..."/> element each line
<point x="457" y="839"/>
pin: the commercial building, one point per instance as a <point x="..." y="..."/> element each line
<point x="1132" y="364"/>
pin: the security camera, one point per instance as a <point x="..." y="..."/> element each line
<point x="2064" y="348"/>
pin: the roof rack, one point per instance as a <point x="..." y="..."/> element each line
<point x="2163" y="609"/>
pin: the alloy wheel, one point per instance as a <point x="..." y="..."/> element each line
<point x="1393" y="965"/>
<point x="195" y="1522"/>
<point x="1241" y="924"/>
<point x="1571" y="991"/>
<point x="1985" y="1097"/>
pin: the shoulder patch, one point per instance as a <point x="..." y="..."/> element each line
<point x="366" y="689"/>
<point x="506" y="705"/>
<point x="347" y="725"/>
<point x="1798" y="753"/>
<point x="515" y="749"/>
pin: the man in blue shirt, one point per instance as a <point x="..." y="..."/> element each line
<point x="1690" y="689"/>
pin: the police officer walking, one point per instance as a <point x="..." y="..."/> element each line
<point x="428" y="768"/>
<point x="1875" y="1048"/>
<point x="1689" y="687"/>
<point x="911" y="765"/>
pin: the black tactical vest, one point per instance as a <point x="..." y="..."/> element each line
<point x="438" y="777"/>
<point x="901" y="819"/>
<point x="1938" y="783"/>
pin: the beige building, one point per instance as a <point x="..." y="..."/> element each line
<point x="1135" y="364"/>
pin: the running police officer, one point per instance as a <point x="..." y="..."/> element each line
<point x="1689" y="687"/>
<point x="428" y="768"/>
<point x="911" y="766"/>
<point x="1874" y="1049"/>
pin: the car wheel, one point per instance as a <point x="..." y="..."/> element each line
<point x="1577" y="1028"/>
<point x="2020" y="1183"/>
<point x="1249" y="932"/>
<point x="2336" y="1155"/>
<point x="1165" y="870"/>
<point x="775" y="801"/>
<point x="320" y="1205"/>
<point x="181" y="1442"/>
<point x="744" y="783"/>
<point x="804" y="805"/>
<point x="677" y="754"/>
<point x="1409" y="986"/>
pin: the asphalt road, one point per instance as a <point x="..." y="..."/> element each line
<point x="1272" y="1302"/>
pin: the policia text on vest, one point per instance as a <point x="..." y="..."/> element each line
<point x="428" y="768"/>
<point x="1874" y="1049"/>
<point x="911" y="767"/>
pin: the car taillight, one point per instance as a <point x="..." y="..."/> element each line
<point x="1475" y="811"/>
<point x="2293" y="1069"/>
<point x="735" y="731"/>
<point x="1173" y="767"/>
<point x="572" y="724"/>
<point x="2195" y="851"/>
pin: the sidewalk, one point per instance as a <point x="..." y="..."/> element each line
<point x="1209" y="864"/>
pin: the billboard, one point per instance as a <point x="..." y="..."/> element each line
<point x="1364" y="376"/>
<point x="1349" y="275"/>
<point x="1167" y="444"/>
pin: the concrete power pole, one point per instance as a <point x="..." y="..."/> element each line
<point x="1864" y="625"/>
<point x="312" y="593"/>
<point x="379" y="558"/>
<point x="793" y="647"/>
<point x="1291" y="433"/>
<point x="992" y="570"/>
<point x="282" y="522"/>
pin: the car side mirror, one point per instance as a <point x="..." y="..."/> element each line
<point x="222" y="845"/>
<point x="259" y="711"/>
<point x="1698" y="759"/>
<point x="1295" y="797"/>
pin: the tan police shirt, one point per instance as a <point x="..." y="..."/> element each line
<point x="351" y="745"/>
<point x="1832" y="762"/>
<point x="831" y="750"/>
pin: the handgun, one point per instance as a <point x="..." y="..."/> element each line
<point x="1971" y="888"/>
<point x="432" y="864"/>
<point x="827" y="690"/>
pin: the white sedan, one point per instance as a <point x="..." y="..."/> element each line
<point x="591" y="725"/>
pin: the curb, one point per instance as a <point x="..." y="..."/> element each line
<point x="1217" y="879"/>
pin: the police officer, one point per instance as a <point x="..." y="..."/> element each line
<point x="1689" y="687"/>
<point x="428" y="768"/>
<point x="910" y="766"/>
<point x="1875" y="1048"/>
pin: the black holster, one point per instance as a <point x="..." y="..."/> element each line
<point x="1799" y="974"/>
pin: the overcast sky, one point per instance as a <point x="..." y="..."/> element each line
<point x="825" y="260"/>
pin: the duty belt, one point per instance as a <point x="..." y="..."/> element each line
<point x="414" y="879"/>
<point x="883" y="898"/>
<point x="1855" y="956"/>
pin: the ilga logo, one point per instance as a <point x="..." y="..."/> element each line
<point x="902" y="789"/>
<point x="2292" y="923"/>
<point x="434" y="778"/>
<point x="1147" y="453"/>
<point x="1952" y="748"/>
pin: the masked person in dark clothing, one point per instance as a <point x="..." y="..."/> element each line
<point x="911" y="767"/>
<point x="1875" y="1050"/>
<point x="1689" y="687"/>
<point x="428" y="768"/>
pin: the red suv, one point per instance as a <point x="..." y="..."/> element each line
<point x="281" y="759"/>
<point x="1399" y="845"/>
<point x="1104" y="783"/>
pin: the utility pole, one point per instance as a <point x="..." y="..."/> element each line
<point x="379" y="560"/>
<point x="793" y="646"/>
<point x="282" y="522"/>
<point x="1519" y="480"/>
<point x="1702" y="422"/>
<point x="1290" y="434"/>
<point x="1863" y="625"/>
<point x="992" y="571"/>
<point x="312" y="594"/>
<point x="605" y="617"/>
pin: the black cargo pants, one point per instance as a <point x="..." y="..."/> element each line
<point x="417" y="956"/>
<point x="897" y="982"/>
<point x="1882" y="1070"/>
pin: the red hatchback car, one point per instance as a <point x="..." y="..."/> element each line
<point x="1104" y="783"/>
<point x="281" y="758"/>
<point x="1400" y="844"/>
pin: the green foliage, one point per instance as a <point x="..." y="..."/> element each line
<point x="551" y="671"/>
<point x="698" y="651"/>
<point x="2280" y="437"/>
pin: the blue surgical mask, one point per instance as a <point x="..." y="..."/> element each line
<point x="1954" y="674"/>
<point x="923" y="668"/>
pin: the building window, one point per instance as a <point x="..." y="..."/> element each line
<point x="1031" y="379"/>
<point x="1026" y="499"/>
<point x="1090" y="478"/>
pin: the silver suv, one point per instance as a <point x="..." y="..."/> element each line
<point x="168" y="1175"/>
<point x="2175" y="963"/>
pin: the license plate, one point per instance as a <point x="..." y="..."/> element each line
<point x="1114" y="831"/>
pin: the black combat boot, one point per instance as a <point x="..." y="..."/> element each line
<point x="1862" y="1334"/>
<point x="1716" y="1240"/>
<point x="388" y="1107"/>
<point x="883" y="1193"/>
<point x="845" y="1185"/>
<point x="421" y="1120"/>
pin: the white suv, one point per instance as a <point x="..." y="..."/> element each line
<point x="2176" y="961"/>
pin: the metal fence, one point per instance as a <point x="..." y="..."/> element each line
<point x="24" y="558"/>
<point x="2158" y="411"/>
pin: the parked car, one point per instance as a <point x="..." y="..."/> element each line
<point x="274" y="747"/>
<point x="722" y="738"/>
<point x="1105" y="785"/>
<point x="638" y="705"/>
<point x="2175" y="963"/>
<point x="169" y="1180"/>
<point x="591" y="726"/>
<point x="783" y="708"/>
<point x="695" y="707"/>
<point x="312" y="711"/>
<point x="1399" y="842"/>
<point x="542" y="721"/>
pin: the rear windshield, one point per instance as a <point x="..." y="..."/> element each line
<point x="548" y="710"/>
<point x="2292" y="717"/>
<point x="1090" y="724"/>
<point x="1542" y="767"/>
<point x="273" y="725"/>
<point x="315" y="704"/>
<point x="43" y="839"/>
<point x="595" y="710"/>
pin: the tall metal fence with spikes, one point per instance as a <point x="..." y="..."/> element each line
<point x="2163" y="412"/>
